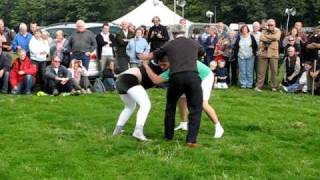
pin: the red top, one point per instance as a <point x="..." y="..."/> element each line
<point x="25" y="66"/>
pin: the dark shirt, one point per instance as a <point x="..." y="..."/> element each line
<point x="121" y="44"/>
<point x="312" y="54"/>
<point x="82" y="42"/>
<point x="182" y="54"/>
<point x="155" y="41"/>
<point x="107" y="73"/>
<point x="4" y="62"/>
<point x="222" y="72"/>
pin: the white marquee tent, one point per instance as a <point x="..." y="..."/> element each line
<point x="143" y="14"/>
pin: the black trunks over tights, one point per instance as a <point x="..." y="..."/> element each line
<point x="125" y="82"/>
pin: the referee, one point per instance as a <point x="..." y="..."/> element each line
<point x="184" y="78"/>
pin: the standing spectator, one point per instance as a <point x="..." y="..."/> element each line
<point x="230" y="59"/>
<point x="222" y="30"/>
<point x="58" y="78"/>
<point x="105" y="43"/>
<point x="136" y="46"/>
<point x="59" y="47"/>
<point x="205" y="34"/>
<point x="6" y="37"/>
<point x="23" y="74"/>
<point x="297" y="42"/>
<point x="302" y="36"/>
<point x="39" y="50"/>
<point x="292" y="43"/>
<point x="122" y="39"/>
<point x="82" y="43"/>
<point x="33" y="27"/>
<point x="313" y="46"/>
<point x="292" y="68"/>
<point x="269" y="55"/>
<point x="131" y="28"/>
<point x="22" y="39"/>
<point x="256" y="33"/>
<point x="246" y="50"/>
<point x="4" y="72"/>
<point x="210" y="45"/>
<point x="158" y="34"/>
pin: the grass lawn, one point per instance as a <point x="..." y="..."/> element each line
<point x="267" y="136"/>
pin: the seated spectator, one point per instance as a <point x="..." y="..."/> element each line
<point x="221" y="76"/>
<point x="58" y="78"/>
<point x="316" y="76"/>
<point x="136" y="46"/>
<point x="23" y="74"/>
<point x="59" y="47"/>
<point x="292" y="43"/>
<point x="302" y="83"/>
<point x="292" y="68"/>
<point x="4" y="72"/>
<point x="109" y="75"/>
<point x="79" y="75"/>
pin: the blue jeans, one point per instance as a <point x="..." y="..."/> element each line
<point x="24" y="86"/>
<point x="109" y="84"/>
<point x="294" y="87"/>
<point x="83" y="57"/>
<point x="246" y="72"/>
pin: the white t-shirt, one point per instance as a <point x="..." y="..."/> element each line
<point x="106" y="49"/>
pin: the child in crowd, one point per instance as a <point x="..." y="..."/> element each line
<point x="109" y="75"/>
<point x="213" y="67"/>
<point x="79" y="76"/>
<point x="221" y="76"/>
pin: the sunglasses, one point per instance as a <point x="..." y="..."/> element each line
<point x="291" y="40"/>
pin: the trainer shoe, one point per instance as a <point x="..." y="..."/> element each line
<point x="139" y="135"/>
<point x="257" y="89"/>
<point x="182" y="126"/>
<point x="218" y="131"/>
<point x="118" y="130"/>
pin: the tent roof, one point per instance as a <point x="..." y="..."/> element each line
<point x="143" y="14"/>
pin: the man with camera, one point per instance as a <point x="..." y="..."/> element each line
<point x="158" y="34"/>
<point x="269" y="55"/>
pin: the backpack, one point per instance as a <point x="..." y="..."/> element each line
<point x="98" y="86"/>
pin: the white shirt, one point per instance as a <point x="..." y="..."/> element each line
<point x="106" y="49"/>
<point x="36" y="47"/>
<point x="256" y="36"/>
<point x="56" y="70"/>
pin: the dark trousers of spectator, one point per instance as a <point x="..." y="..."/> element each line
<point x="4" y="82"/>
<point x="41" y="67"/>
<point x="54" y="84"/>
<point x="232" y="67"/>
<point x="83" y="57"/>
<point x="190" y="84"/>
<point x="122" y="63"/>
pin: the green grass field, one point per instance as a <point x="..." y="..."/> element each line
<point x="267" y="136"/>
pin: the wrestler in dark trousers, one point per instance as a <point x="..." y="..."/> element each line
<point x="184" y="78"/>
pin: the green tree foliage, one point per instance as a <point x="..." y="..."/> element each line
<point x="52" y="11"/>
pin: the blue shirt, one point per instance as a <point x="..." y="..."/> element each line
<point x="22" y="41"/>
<point x="136" y="46"/>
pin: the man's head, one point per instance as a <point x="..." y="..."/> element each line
<point x="271" y="23"/>
<point x="56" y="61"/>
<point x="256" y="26"/>
<point x="212" y="30"/>
<point x="291" y="51"/>
<point x="164" y="63"/>
<point x="23" y="29"/>
<point x="33" y="27"/>
<point x="81" y="26"/>
<point x="22" y="54"/>
<point x="105" y="28"/>
<point x="221" y="25"/>
<point x="307" y="65"/>
<point x="156" y="20"/>
<point x="206" y="28"/>
<point x="124" y="25"/>
<point x="291" y="40"/>
<point x="183" y="22"/>
<point x="177" y="30"/>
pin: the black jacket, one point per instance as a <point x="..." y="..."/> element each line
<point x="121" y="44"/>
<point x="101" y="43"/>
<point x="155" y="41"/>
